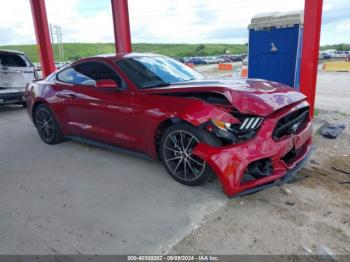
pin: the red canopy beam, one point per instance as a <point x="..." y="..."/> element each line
<point x="311" y="45"/>
<point x="42" y="36"/>
<point x="121" y="26"/>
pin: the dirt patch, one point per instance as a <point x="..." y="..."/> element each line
<point x="310" y="216"/>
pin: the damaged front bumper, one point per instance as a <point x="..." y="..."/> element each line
<point x="289" y="176"/>
<point x="285" y="157"/>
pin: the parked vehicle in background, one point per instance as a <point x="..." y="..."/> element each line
<point x="213" y="60"/>
<point x="330" y="53"/>
<point x="227" y="58"/>
<point x="235" y="58"/>
<point x="250" y="133"/>
<point x="203" y="60"/>
<point x="197" y="61"/>
<point x="16" y="71"/>
<point x="326" y="56"/>
<point x="180" y="59"/>
<point x="340" y="54"/>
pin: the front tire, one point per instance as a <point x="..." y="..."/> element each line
<point x="175" y="151"/>
<point x="47" y="125"/>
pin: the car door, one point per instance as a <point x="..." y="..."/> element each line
<point x="104" y="114"/>
<point x="15" y="71"/>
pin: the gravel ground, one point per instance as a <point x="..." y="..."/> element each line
<point x="309" y="216"/>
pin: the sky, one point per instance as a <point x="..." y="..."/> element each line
<point x="163" y="21"/>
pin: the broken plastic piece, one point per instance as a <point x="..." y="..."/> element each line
<point x="332" y="130"/>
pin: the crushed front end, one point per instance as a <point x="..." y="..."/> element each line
<point x="260" y="152"/>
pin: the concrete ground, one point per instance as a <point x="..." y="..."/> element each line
<point x="333" y="91"/>
<point x="72" y="198"/>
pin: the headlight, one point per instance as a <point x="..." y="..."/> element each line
<point x="221" y="125"/>
<point x="235" y="133"/>
<point x="250" y="123"/>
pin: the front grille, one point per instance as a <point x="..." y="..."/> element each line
<point x="292" y="123"/>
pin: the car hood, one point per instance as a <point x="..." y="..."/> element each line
<point x="251" y="96"/>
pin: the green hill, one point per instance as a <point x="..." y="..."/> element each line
<point x="74" y="51"/>
<point x="338" y="47"/>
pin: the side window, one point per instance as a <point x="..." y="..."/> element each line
<point x="88" y="73"/>
<point x="71" y="76"/>
<point x="13" y="60"/>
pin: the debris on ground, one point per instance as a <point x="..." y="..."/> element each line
<point x="332" y="130"/>
<point x="314" y="162"/>
<point x="340" y="170"/>
<point x="307" y="250"/>
<point x="286" y="190"/>
<point x="326" y="251"/>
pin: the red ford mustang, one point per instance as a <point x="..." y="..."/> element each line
<point x="250" y="133"/>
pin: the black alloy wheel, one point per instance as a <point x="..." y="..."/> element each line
<point x="176" y="148"/>
<point x="47" y="126"/>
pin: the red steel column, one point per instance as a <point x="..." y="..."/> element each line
<point x="42" y="36"/>
<point x="121" y="25"/>
<point x="311" y="45"/>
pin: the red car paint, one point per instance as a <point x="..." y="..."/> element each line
<point x="230" y="162"/>
<point x="131" y="118"/>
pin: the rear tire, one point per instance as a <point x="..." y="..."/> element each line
<point x="175" y="151"/>
<point x="47" y="125"/>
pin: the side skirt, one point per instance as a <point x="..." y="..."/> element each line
<point x="109" y="147"/>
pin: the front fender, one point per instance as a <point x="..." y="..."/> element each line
<point x="197" y="112"/>
<point x="192" y="111"/>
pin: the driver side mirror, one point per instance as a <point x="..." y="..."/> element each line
<point x="106" y="83"/>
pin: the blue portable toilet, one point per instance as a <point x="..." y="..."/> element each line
<point x="275" y="42"/>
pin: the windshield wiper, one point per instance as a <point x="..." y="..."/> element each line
<point x="163" y="84"/>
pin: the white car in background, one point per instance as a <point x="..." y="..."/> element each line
<point x="16" y="71"/>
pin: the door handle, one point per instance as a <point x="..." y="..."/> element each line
<point x="71" y="95"/>
<point x="67" y="95"/>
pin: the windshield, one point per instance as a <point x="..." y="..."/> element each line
<point x="156" y="71"/>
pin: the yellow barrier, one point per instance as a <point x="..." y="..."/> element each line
<point x="337" y="66"/>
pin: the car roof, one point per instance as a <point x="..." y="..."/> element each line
<point x="11" y="51"/>
<point x="125" y="55"/>
<point x="114" y="57"/>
